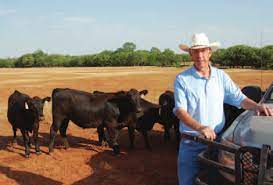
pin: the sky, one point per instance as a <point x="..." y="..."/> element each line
<point x="77" y="27"/>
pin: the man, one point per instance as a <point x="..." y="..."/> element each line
<point x="199" y="96"/>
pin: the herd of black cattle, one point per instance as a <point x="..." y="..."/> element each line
<point x="108" y="112"/>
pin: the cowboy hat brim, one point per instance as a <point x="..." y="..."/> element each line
<point x="214" y="46"/>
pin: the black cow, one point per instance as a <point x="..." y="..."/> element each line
<point x="93" y="111"/>
<point x="127" y="120"/>
<point x="253" y="92"/>
<point x="24" y="113"/>
<point x="154" y="113"/>
<point x="166" y="101"/>
<point x="146" y="121"/>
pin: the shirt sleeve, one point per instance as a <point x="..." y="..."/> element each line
<point x="233" y="94"/>
<point x="179" y="95"/>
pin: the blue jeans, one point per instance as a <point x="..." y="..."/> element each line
<point x="188" y="164"/>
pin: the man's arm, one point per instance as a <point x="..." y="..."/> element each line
<point x="206" y="131"/>
<point x="234" y="96"/>
<point x="249" y="104"/>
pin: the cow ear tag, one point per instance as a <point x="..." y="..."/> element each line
<point x="26" y="106"/>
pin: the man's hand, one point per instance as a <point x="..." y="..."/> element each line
<point x="207" y="132"/>
<point x="262" y="109"/>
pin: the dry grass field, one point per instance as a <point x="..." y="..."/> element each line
<point x="85" y="162"/>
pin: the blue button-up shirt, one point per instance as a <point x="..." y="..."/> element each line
<point x="203" y="97"/>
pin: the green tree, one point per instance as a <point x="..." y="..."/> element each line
<point x="26" y="60"/>
<point x="87" y="60"/>
<point x="39" y="58"/>
<point x="218" y="57"/>
<point x="266" y="60"/>
<point x="120" y="58"/>
<point x="138" y="58"/>
<point x="128" y="46"/>
<point x="103" y="58"/>
<point x="168" y="58"/>
<point x="155" y="50"/>
<point x="183" y="59"/>
<point x="7" y="63"/>
<point x="241" y="55"/>
<point x="57" y="60"/>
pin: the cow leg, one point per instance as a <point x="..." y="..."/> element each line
<point x="63" y="129"/>
<point x="146" y="139"/>
<point x="166" y="133"/>
<point x="101" y="135"/>
<point x="35" y="138"/>
<point x="26" y="141"/>
<point x="53" y="132"/>
<point x="14" y="141"/>
<point x="131" y="132"/>
<point x="29" y="142"/>
<point x="177" y="134"/>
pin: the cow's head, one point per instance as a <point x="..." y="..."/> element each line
<point x="135" y="97"/>
<point x="166" y="100"/>
<point x="36" y="106"/>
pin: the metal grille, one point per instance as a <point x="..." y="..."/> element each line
<point x="248" y="166"/>
<point x="250" y="169"/>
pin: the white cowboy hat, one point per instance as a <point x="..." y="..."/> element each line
<point x="200" y="40"/>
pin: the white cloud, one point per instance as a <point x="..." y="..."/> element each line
<point x="80" y="19"/>
<point x="7" y="12"/>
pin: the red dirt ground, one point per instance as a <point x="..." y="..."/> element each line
<point x="85" y="162"/>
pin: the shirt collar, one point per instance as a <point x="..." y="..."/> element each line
<point x="212" y="72"/>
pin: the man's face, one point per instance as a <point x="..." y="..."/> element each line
<point x="201" y="57"/>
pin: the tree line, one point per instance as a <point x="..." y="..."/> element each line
<point x="236" y="56"/>
<point x="244" y="57"/>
